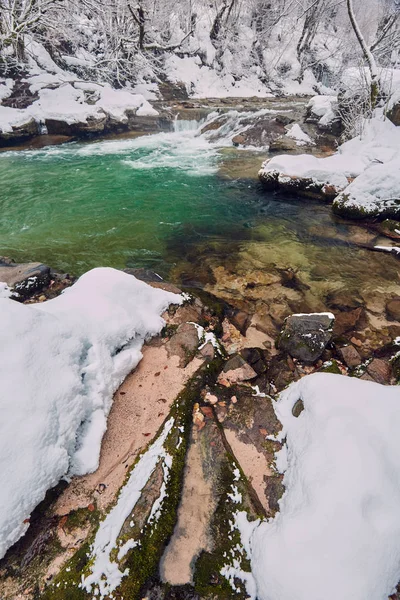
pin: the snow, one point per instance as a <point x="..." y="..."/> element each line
<point x="6" y="88"/>
<point x="296" y="133"/>
<point x="337" y="534"/>
<point x="62" y="96"/>
<point x="375" y="191"/>
<point x="320" y="105"/>
<point x="5" y="291"/>
<point x="379" y="143"/>
<point x="105" y="575"/>
<point x="60" y="363"/>
<point x="392" y="249"/>
<point x="202" y="81"/>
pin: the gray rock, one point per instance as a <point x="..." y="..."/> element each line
<point x="26" y="278"/>
<point x="394" y="114"/>
<point x="305" y="336"/>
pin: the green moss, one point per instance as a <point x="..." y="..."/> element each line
<point x="168" y="331"/>
<point x="143" y="561"/>
<point x="65" y="585"/>
<point x="330" y="367"/>
<point x="208" y="580"/>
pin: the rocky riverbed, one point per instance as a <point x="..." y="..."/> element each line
<point x="222" y="358"/>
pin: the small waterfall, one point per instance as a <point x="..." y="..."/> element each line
<point x="184" y="125"/>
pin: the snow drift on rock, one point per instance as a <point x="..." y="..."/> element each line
<point x="338" y="531"/>
<point x="60" y="363"/>
<point x="375" y="192"/>
<point x="379" y="143"/>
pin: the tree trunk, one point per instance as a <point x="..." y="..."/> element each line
<point x="375" y="87"/>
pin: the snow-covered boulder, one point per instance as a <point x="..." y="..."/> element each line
<point x="323" y="111"/>
<point x="374" y="193"/>
<point x="60" y="364"/>
<point x="327" y="177"/>
<point x="305" y="175"/>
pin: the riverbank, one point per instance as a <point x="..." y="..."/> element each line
<point x="223" y="391"/>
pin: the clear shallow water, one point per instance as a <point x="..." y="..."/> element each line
<point x="161" y="200"/>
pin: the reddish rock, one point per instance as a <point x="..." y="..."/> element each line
<point x="380" y="371"/>
<point x="393" y="309"/>
<point x="346" y="321"/>
<point x="350" y="356"/>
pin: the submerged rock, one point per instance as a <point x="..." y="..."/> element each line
<point x="305" y="336"/>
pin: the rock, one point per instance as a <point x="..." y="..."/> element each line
<point x="346" y="321"/>
<point x="366" y="377"/>
<point x="389" y="228"/>
<point x="284" y="144"/>
<point x="394" y="114"/>
<point x="284" y="120"/>
<point x="93" y="125"/>
<point x="236" y="370"/>
<point x="238" y="140"/>
<point x="19" y="134"/>
<point x="303" y="186"/>
<point x="255" y="359"/>
<point x="184" y="343"/>
<point x="210" y="398"/>
<point x="298" y="408"/>
<point x="260" y="132"/>
<point x="25" y="278"/>
<point x="208" y="351"/>
<point x="393" y="309"/>
<point x="332" y="127"/>
<point x="350" y="356"/>
<point x="241" y="321"/>
<point x="214" y="125"/>
<point x="343" y="301"/>
<point x="305" y="336"/>
<point x="380" y="371"/>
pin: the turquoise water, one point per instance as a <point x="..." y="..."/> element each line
<point x="158" y="201"/>
<point x="114" y="203"/>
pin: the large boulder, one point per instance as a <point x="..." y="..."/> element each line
<point x="24" y="279"/>
<point x="305" y="336"/>
<point x="19" y="133"/>
<point x="92" y="126"/>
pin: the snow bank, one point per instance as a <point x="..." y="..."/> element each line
<point x="379" y="143"/>
<point x="203" y="81"/>
<point x="375" y="192"/>
<point x="60" y="363"/>
<point x="337" y="534"/>
<point x="63" y="97"/>
<point x="68" y="103"/>
<point x="333" y="170"/>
